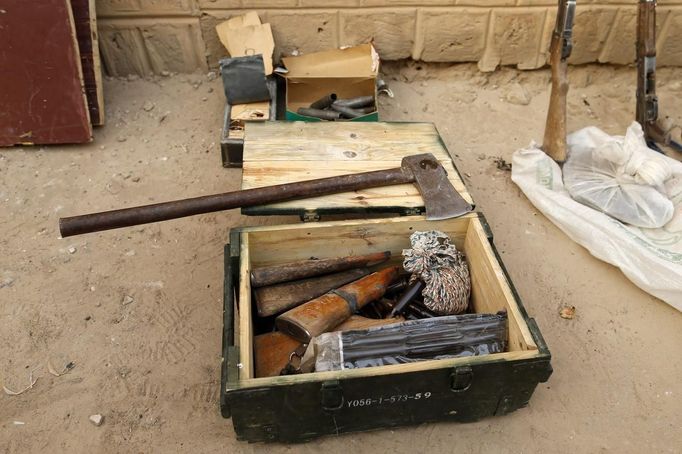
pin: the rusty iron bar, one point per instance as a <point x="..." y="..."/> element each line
<point x="347" y="112"/>
<point x="127" y="217"/>
<point x="360" y="101"/>
<point x="319" y="113"/>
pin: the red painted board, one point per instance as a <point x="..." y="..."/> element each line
<point x="42" y="100"/>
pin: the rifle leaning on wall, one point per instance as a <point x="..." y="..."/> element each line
<point x="647" y="101"/>
<point x="554" y="143"/>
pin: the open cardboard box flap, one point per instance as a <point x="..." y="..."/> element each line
<point x="356" y="62"/>
<point x="245" y="35"/>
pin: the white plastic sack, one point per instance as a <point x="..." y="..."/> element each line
<point x="651" y="258"/>
<point x="620" y="176"/>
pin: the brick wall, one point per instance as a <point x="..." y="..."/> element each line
<point x="150" y="36"/>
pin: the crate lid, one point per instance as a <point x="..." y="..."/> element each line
<point x="285" y="152"/>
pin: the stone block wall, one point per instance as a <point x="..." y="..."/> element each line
<point x="151" y="36"/>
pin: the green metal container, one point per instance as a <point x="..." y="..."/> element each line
<point x="296" y="408"/>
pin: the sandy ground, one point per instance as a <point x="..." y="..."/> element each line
<point x="138" y="311"/>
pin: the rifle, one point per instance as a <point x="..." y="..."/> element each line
<point x="277" y="353"/>
<point x="333" y="308"/>
<point x="554" y="143"/>
<point x="647" y="101"/>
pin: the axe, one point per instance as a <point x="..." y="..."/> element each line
<point x="441" y="200"/>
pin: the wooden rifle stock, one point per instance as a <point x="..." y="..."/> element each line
<point x="272" y="351"/>
<point x="554" y="142"/>
<point x="331" y="309"/>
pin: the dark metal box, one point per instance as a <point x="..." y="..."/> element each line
<point x="231" y="144"/>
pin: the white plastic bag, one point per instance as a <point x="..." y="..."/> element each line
<point x="620" y="176"/>
<point x="651" y="258"/>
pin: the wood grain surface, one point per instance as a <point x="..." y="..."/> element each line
<point x="283" y="152"/>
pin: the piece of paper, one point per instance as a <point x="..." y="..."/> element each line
<point x="245" y="35"/>
<point x="250" y="18"/>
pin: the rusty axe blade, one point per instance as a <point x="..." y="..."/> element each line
<point x="441" y="200"/>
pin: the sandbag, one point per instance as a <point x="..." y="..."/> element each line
<point x="619" y="176"/>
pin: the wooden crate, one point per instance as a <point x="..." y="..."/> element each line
<point x="300" y="407"/>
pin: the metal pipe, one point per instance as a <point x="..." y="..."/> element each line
<point x="360" y="101"/>
<point x="324" y="102"/>
<point x="406" y="298"/>
<point x="347" y="112"/>
<point x="318" y="113"/>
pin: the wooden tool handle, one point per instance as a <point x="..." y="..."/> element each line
<point x="274" y="299"/>
<point x="554" y="143"/>
<point x="270" y="275"/>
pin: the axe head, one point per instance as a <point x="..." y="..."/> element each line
<point x="441" y="200"/>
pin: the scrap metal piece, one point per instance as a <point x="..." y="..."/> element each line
<point x="412" y="292"/>
<point x="348" y="112"/>
<point x="383" y="88"/>
<point x="319" y="113"/>
<point x="360" y="101"/>
<point x="324" y="102"/>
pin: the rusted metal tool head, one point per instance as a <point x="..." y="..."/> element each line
<point x="441" y="200"/>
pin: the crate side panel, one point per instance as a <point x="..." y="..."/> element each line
<point x="332" y="239"/>
<point x="295" y="412"/>
<point x="490" y="290"/>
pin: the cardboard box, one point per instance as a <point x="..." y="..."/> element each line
<point x="349" y="73"/>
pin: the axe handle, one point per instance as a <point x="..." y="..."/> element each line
<point x="127" y="217"/>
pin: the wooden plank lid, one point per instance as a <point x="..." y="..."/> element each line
<point x="284" y="152"/>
